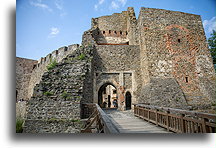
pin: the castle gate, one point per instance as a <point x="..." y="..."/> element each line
<point x="114" y="89"/>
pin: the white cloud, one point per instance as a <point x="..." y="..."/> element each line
<point x="210" y="25"/>
<point x="39" y="4"/>
<point x="54" y="32"/>
<point x="114" y="5"/>
<point x="96" y="7"/>
<point x="100" y="2"/>
<point x="59" y="4"/>
<point x="123" y="2"/>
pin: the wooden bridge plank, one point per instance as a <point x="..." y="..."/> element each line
<point x="127" y="123"/>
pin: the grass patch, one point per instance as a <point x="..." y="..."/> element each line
<point x="19" y="125"/>
<point x="81" y="56"/>
<point x="65" y="95"/>
<point x="47" y="93"/>
<point x="52" y="64"/>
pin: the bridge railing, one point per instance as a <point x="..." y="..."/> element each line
<point x="176" y="120"/>
<point x="98" y="121"/>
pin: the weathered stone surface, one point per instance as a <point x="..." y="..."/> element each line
<point x="52" y="126"/>
<point x="55" y="104"/>
<point x="164" y="92"/>
<point x="24" y="68"/>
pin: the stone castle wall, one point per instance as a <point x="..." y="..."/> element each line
<point x="55" y="106"/>
<point x="41" y="66"/>
<point x="172" y="50"/>
<point x="24" y="68"/>
<point x="174" y="45"/>
<point x="119" y="65"/>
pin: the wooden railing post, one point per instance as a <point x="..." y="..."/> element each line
<point x="182" y="123"/>
<point x="156" y="116"/>
<point x="167" y="120"/>
<point x="148" y="114"/>
<point x="204" y="129"/>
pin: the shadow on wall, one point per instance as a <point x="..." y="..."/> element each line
<point x="98" y="62"/>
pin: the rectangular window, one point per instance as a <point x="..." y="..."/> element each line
<point x="186" y="79"/>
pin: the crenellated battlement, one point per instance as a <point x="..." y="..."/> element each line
<point x="58" y="54"/>
<point x="41" y="66"/>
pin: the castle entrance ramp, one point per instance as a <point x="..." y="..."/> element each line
<point x="126" y="122"/>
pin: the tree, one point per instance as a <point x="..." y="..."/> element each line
<point x="212" y="45"/>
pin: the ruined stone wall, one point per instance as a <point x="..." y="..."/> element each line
<point x="132" y="27"/>
<point x="173" y="45"/>
<point x="114" y="63"/>
<point x="41" y="66"/>
<point x="111" y="29"/>
<point x="55" y="106"/>
<point x="116" y="21"/>
<point x="24" y="68"/>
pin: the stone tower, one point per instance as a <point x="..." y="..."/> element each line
<point x="161" y="58"/>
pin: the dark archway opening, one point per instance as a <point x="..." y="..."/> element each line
<point x="107" y="96"/>
<point x="128" y="100"/>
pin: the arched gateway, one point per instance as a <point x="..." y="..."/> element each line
<point x="107" y="96"/>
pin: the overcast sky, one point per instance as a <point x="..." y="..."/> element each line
<point x="46" y="25"/>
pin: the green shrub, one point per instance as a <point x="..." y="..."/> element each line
<point x="52" y="64"/>
<point x="19" y="125"/>
<point x="81" y="56"/>
<point x="65" y="95"/>
<point x="47" y="93"/>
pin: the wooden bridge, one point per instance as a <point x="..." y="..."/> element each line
<point x="146" y="119"/>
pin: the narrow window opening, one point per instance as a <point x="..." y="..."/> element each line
<point x="65" y="49"/>
<point x="103" y="32"/>
<point x="179" y="40"/>
<point x="115" y="32"/>
<point x="109" y="31"/>
<point x="121" y="32"/>
<point x="114" y="91"/>
<point x="126" y="33"/>
<point x="186" y="79"/>
<point x="56" y="52"/>
<point x="45" y="59"/>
